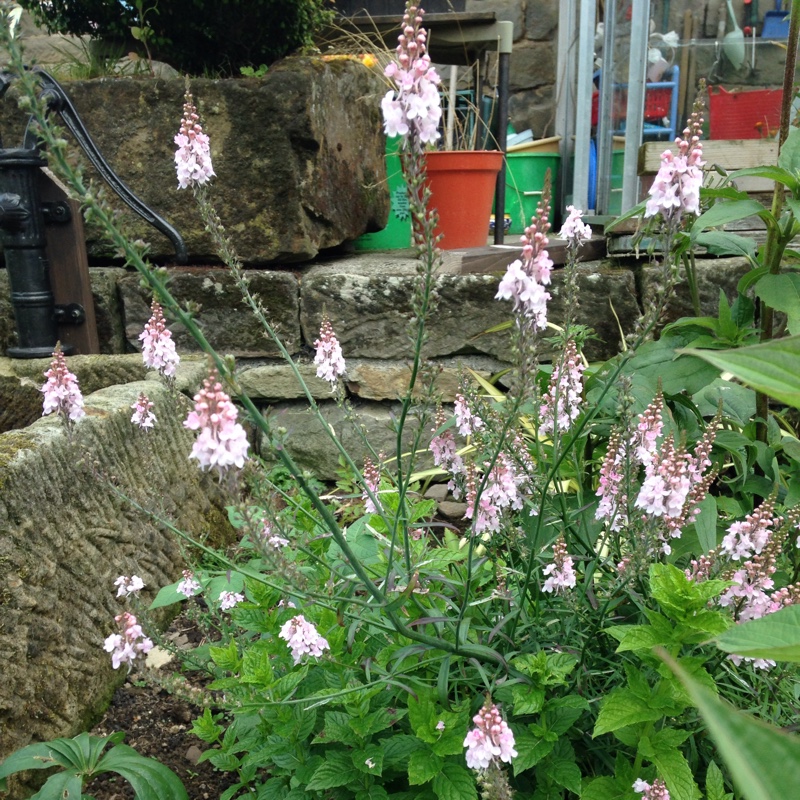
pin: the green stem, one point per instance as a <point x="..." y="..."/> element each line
<point x="774" y="246"/>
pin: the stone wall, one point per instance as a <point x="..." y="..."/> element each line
<point x="66" y="533"/>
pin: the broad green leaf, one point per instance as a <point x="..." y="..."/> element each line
<point x="771" y="367"/>
<point x="771" y="173"/>
<point x="564" y="773"/>
<point x="775" y="636"/>
<point x="150" y="779"/>
<point x="455" y="782"/>
<point x="167" y="596"/>
<point x="369" y="759"/>
<point x="34" y="756"/>
<point x="622" y="708"/>
<point x="337" y="729"/>
<point x="62" y="786"/>
<point x="336" y="770"/>
<point x="762" y="759"/>
<point x="226" y="658"/>
<point x="527" y="699"/>
<point x="676" y="772"/>
<point x="724" y="212"/>
<point x="724" y="243"/>
<point x="789" y="156"/>
<point x="738" y="402"/>
<point x="422" y="766"/>
<point x="206" y="727"/>
<point x="715" y="784"/>
<point x="635" y="637"/>
<point x="605" y="789"/>
<point x="398" y="748"/>
<point x="373" y="793"/>
<point x="782" y="293"/>
<point x="530" y="749"/>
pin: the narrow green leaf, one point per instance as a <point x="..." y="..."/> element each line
<point x="775" y="636"/>
<point x="705" y="523"/>
<point x="762" y="759"/>
<point x="771" y="173"/>
<point x="770" y="367"/>
<point x="724" y="243"/>
<point x="455" y="782"/>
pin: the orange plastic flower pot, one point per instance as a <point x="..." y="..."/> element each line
<point x="462" y="185"/>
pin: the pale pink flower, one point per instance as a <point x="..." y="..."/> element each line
<point x="525" y="279"/>
<point x="750" y="536"/>
<point x="648" y="430"/>
<point x="412" y="108"/>
<point x="126" y="586"/>
<point x="328" y="358"/>
<point x="143" y="415"/>
<point x="655" y="791"/>
<point x="574" y="230"/>
<point x="676" y="188"/>
<point x="193" y="156"/>
<point x="303" y="638"/>
<point x="189" y="586"/>
<point x="467" y="421"/>
<point x="561" y="571"/>
<point x="62" y="394"/>
<point x="613" y="505"/>
<point x="227" y="600"/>
<point x="158" y="349"/>
<point x="443" y="446"/>
<point x="561" y="404"/>
<point x="128" y="645"/>
<point x="222" y="442"/>
<point x="369" y="763"/>
<point x="372" y="483"/>
<point x="440" y="726"/>
<point x="490" y="740"/>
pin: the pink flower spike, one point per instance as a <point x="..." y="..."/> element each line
<point x="142" y="413"/>
<point x="655" y="791"/>
<point x="158" y="349"/>
<point x="189" y="586"/>
<point x="227" y="600"/>
<point x="128" y="645"/>
<point x="62" y="395"/>
<point x="303" y="638"/>
<point x="193" y="156"/>
<point x="328" y="359"/>
<point x="126" y="586"/>
<point x="490" y="740"/>
<point x="222" y="442"/>
<point x="560" y="571"/>
<point x="574" y="230"/>
<point x="372" y="483"/>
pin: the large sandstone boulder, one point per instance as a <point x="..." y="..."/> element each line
<point x="66" y="533"/>
<point x="299" y="155"/>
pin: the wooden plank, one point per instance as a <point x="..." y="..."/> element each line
<point x="730" y="154"/>
<point x="495" y="258"/>
<point x="69" y="268"/>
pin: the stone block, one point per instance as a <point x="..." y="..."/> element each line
<point x="370" y="379"/>
<point x="298" y="154"/>
<point x="67" y="532"/>
<point x="541" y="19"/>
<point x="22" y="379"/>
<point x="370" y="306"/>
<point x="277" y="381"/>
<point x="532" y="64"/>
<point x="505" y="11"/>
<point x="534" y="109"/>
<point x="227" y="322"/>
<point x="713" y="274"/>
<point x="313" y="449"/>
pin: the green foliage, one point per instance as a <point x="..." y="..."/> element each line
<point x="191" y="35"/>
<point x="82" y="758"/>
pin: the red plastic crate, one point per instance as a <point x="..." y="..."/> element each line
<point x="746" y="114"/>
<point x="657" y="104"/>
